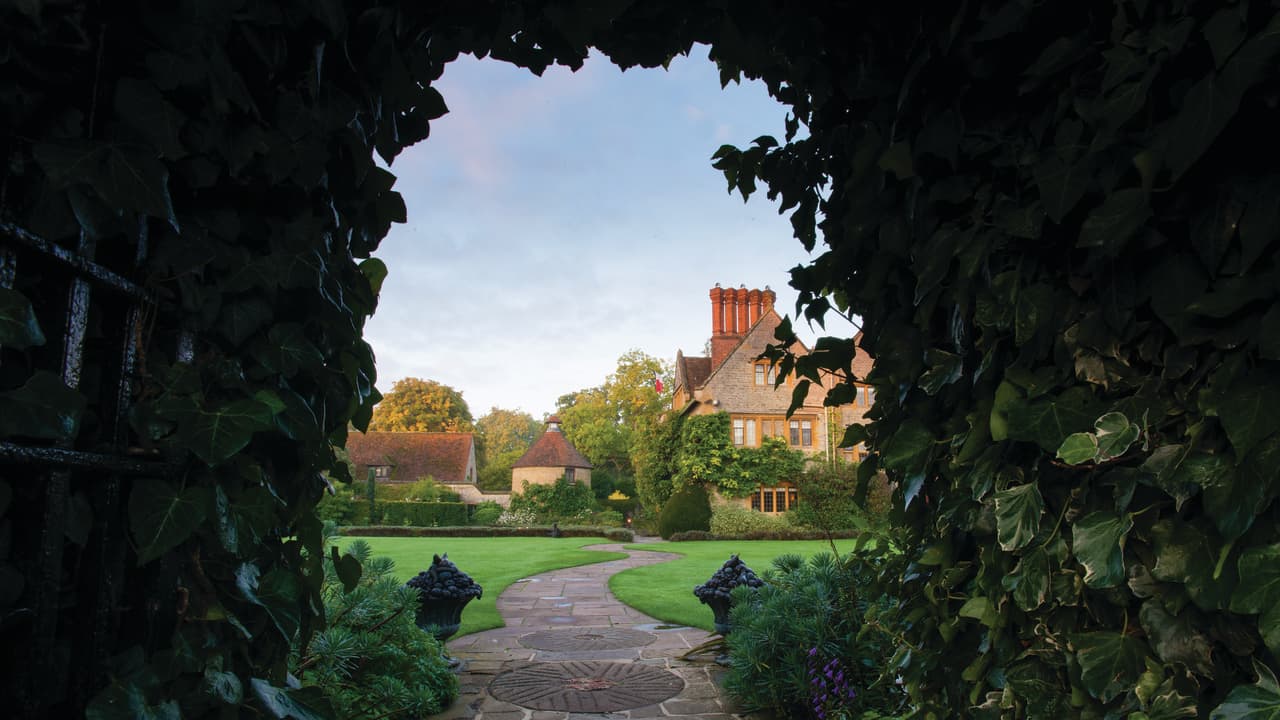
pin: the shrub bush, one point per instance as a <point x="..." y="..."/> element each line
<point x="687" y="509"/>
<point x="423" y="514"/>
<point x="804" y="623"/>
<point x="692" y="535"/>
<point x="343" y="507"/>
<point x="486" y="513"/>
<point x="607" y="518"/>
<point x="562" y="500"/>
<point x="731" y="519"/>
<point x="614" y="534"/>
<point x="372" y="655"/>
<point x="428" y="490"/>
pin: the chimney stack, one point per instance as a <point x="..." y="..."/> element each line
<point x="734" y="311"/>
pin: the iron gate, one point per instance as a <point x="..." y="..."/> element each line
<point x="68" y="581"/>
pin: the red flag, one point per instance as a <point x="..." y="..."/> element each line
<point x="657" y="383"/>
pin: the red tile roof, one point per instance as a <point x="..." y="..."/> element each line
<point x="413" y="455"/>
<point x="696" y="371"/>
<point x="552" y="449"/>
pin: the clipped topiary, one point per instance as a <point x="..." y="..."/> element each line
<point x="687" y="509"/>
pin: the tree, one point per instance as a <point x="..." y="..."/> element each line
<point x="505" y="431"/>
<point x="602" y="421"/>
<point x="417" y="405"/>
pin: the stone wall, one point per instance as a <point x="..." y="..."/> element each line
<point x="545" y="476"/>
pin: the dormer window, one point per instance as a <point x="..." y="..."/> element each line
<point x="381" y="473"/>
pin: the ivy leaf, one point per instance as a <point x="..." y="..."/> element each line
<point x="1113" y="223"/>
<point x="127" y="177"/>
<point x="44" y="407"/>
<point x="1260" y="701"/>
<point x="140" y="105"/>
<point x="1018" y="513"/>
<point x="287" y="350"/>
<point x="1098" y="543"/>
<point x="19" y="327"/>
<point x="348" y="569"/>
<point x="276" y="592"/>
<point x="1048" y="421"/>
<point x="239" y="320"/>
<point x="308" y="703"/>
<point x="161" y="516"/>
<point x="944" y="369"/>
<point x="216" y="435"/>
<point x="1206" y="109"/>
<point x="225" y="686"/>
<point x="1269" y="628"/>
<point x="1259" y="587"/>
<point x="1113" y="442"/>
<point x="1225" y="32"/>
<point x="1248" y="413"/>
<point x="128" y="702"/>
<point x="1061" y="185"/>
<point x="1175" y="639"/>
<point x="1029" y="581"/>
<point x="1078" y="448"/>
<point x="375" y="271"/>
<point x="1110" y="662"/>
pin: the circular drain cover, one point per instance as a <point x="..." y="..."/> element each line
<point x="591" y="687"/>
<point x="587" y="639"/>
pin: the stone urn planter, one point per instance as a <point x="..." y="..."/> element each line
<point x="715" y="592"/>
<point x="443" y="591"/>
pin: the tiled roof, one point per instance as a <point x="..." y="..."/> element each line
<point x="696" y="371"/>
<point x="552" y="449"/>
<point x="413" y="455"/>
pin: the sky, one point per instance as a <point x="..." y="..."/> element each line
<point x="555" y="223"/>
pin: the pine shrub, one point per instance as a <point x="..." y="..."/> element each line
<point x="687" y="509"/>
<point x="804" y="623"/>
<point x="372" y="660"/>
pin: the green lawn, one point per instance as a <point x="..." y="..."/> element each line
<point x="495" y="563"/>
<point x="665" y="591"/>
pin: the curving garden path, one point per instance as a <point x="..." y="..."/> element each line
<point x="571" y="651"/>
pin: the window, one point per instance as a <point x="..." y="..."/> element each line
<point x="381" y="472"/>
<point x="795" y="432"/>
<point x="862" y="397"/>
<point x="774" y="499"/>
<point x="737" y="432"/>
<point x="806" y="433"/>
<point x="766" y="374"/>
<point x="751" y="433"/>
<point x="569" y="476"/>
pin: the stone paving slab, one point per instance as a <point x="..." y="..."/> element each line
<point x="578" y="598"/>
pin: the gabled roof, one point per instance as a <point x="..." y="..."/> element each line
<point x="695" y="371"/>
<point x="413" y="455"/>
<point x="552" y="449"/>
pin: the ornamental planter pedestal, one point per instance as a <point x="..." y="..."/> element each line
<point x="443" y="591"/>
<point x="715" y="594"/>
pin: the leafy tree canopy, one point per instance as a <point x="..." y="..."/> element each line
<point x="601" y="421"/>
<point x="418" y="405"/>
<point x="505" y="431"/>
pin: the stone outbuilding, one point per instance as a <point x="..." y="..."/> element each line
<point x="550" y="458"/>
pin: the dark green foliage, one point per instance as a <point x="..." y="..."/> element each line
<point x="806" y="615"/>
<point x="1057" y="223"/>
<point x="706" y="455"/>
<point x="687" y="509"/>
<point x="1043" y="213"/>
<point x="422" y="514"/>
<point x="373" y="661"/>
<point x="486" y="513"/>
<point x="653" y="454"/>
<point x="562" y="500"/>
<point x="614" y="534"/>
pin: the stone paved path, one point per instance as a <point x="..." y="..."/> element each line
<point x="573" y="608"/>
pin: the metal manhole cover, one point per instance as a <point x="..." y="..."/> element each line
<point x="587" y="639"/>
<point x="591" y="687"/>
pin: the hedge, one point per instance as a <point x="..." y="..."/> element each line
<point x="423" y="514"/>
<point x="693" y="535"/>
<point x="614" y="534"/>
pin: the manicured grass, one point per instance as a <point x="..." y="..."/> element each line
<point x="665" y="591"/>
<point x="495" y="563"/>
